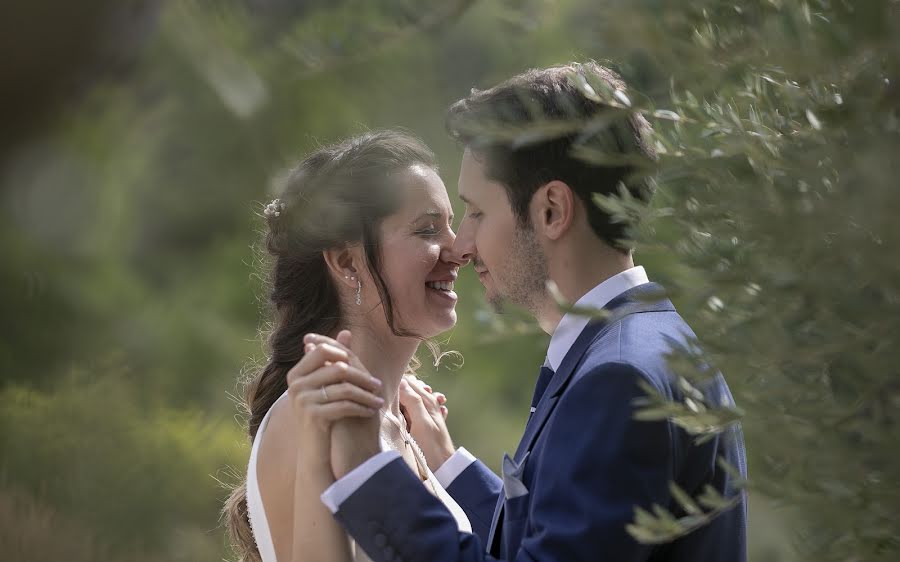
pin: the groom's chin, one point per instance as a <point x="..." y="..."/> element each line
<point x="495" y="301"/>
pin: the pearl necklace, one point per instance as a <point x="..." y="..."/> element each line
<point x="418" y="455"/>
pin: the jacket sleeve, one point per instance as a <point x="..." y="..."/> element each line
<point x="596" y="465"/>
<point x="476" y="490"/>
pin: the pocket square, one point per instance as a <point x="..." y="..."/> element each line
<point x="512" y="477"/>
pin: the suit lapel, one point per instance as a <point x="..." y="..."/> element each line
<point x="540" y="415"/>
<point x="648" y="297"/>
<point x="632" y="301"/>
<point x="559" y="379"/>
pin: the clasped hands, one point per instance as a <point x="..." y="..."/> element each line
<point x="338" y="406"/>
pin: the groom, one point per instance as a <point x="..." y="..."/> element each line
<point x="584" y="463"/>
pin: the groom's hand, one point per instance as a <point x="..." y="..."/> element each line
<point x="353" y="440"/>
<point x="427" y="413"/>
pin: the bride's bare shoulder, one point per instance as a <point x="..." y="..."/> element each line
<point x="277" y="451"/>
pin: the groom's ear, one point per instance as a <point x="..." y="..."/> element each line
<point x="553" y="209"/>
<point x="344" y="263"/>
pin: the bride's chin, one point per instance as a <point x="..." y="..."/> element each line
<point x="441" y="324"/>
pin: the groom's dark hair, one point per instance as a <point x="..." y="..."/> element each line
<point x="570" y="123"/>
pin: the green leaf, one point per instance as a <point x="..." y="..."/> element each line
<point x="652" y="414"/>
<point x="684" y="500"/>
<point x="712" y="499"/>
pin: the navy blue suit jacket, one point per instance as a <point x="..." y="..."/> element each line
<point x="582" y="466"/>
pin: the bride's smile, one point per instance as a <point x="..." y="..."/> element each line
<point x="417" y="251"/>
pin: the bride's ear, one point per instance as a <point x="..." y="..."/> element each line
<point x="344" y="263"/>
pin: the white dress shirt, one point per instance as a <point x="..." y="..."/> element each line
<point x="565" y="334"/>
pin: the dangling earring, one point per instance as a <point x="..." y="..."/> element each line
<point x="358" y="289"/>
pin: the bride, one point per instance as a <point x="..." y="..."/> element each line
<point x="360" y="238"/>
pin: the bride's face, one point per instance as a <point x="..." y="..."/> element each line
<point x="417" y="261"/>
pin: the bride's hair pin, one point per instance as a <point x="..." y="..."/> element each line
<point x="274" y="208"/>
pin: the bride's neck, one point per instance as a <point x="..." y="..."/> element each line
<point x="386" y="357"/>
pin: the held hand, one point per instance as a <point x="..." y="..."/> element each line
<point x="427" y="413"/>
<point x="354" y="439"/>
<point x="325" y="387"/>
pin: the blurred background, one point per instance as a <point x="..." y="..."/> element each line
<point x="138" y="145"/>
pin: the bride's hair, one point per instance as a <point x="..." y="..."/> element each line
<point x="339" y="194"/>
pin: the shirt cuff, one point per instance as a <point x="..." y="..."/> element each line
<point x="338" y="492"/>
<point x="454" y="466"/>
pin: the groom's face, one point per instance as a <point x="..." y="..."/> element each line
<point x="505" y="253"/>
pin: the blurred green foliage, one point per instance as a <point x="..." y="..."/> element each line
<point x="131" y="295"/>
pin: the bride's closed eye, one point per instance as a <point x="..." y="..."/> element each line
<point x="430" y="230"/>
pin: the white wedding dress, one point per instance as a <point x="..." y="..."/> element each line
<point x="260" y="525"/>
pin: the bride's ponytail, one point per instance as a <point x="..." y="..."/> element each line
<point x="237" y="521"/>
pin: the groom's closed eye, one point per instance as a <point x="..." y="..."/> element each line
<point x="472" y="212"/>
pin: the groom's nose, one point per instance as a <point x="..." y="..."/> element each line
<point x="448" y="252"/>
<point x="463" y="249"/>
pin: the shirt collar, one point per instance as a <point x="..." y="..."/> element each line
<point x="571" y="325"/>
